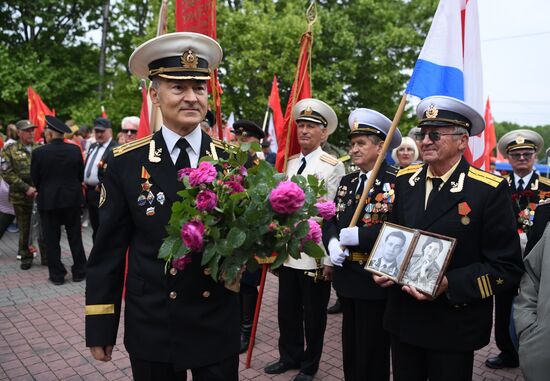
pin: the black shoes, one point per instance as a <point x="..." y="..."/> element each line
<point x="279" y="367"/>
<point x="336" y="308"/>
<point x="78" y="278"/>
<point x="498" y="363"/>
<point x="26" y="265"/>
<point x="303" y="377"/>
<point x="57" y="282"/>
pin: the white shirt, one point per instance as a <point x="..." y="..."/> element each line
<point x="525" y="179"/>
<point x="194" y="139"/>
<point x="93" y="180"/>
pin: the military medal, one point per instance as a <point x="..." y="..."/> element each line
<point x="464" y="209"/>
<point x="141" y="200"/>
<point x="145" y="175"/>
<point x="150" y="197"/>
<point x="150" y="211"/>
<point x="160" y="198"/>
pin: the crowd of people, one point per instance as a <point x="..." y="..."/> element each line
<point x="179" y="320"/>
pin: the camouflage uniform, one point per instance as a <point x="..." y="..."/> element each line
<point x="16" y="171"/>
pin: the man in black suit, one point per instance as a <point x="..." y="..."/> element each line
<point x="96" y="160"/>
<point x="435" y="338"/>
<point x="174" y="319"/>
<point x="520" y="147"/>
<point x="393" y="248"/>
<point x="365" y="344"/>
<point x="56" y="171"/>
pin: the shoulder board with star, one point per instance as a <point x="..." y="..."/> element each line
<point x="329" y="159"/>
<point x="485" y="177"/>
<point x="223" y="145"/>
<point x="344" y="158"/>
<point x="544" y="180"/>
<point x="121" y="150"/>
<point x="410" y="169"/>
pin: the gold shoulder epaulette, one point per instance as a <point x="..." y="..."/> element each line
<point x="410" y="169"/>
<point x="485" y="177"/>
<point x="344" y="158"/>
<point x="120" y="150"/>
<point x="329" y="159"/>
<point x="544" y="180"/>
<point x="294" y="156"/>
<point x="223" y="145"/>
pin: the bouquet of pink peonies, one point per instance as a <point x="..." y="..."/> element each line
<point x="233" y="214"/>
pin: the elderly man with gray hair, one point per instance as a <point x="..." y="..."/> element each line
<point x="129" y="128"/>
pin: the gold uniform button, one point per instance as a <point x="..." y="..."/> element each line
<point x="173" y="295"/>
<point x="173" y="271"/>
<point x="206" y="294"/>
<point x="207" y="271"/>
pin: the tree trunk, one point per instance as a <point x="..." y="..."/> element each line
<point x="103" y="48"/>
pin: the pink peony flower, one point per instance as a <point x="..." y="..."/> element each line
<point x="234" y="186"/>
<point x="327" y="209"/>
<point x="206" y="200"/>
<point x="287" y="198"/>
<point x="205" y="173"/>
<point x="184" y="172"/>
<point x="243" y="171"/>
<point x="237" y="178"/>
<point x="179" y="263"/>
<point x="192" y="235"/>
<point x="314" y="233"/>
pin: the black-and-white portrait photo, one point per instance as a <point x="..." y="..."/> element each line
<point x="390" y="251"/>
<point x="426" y="263"/>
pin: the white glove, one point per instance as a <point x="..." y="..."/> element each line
<point x="337" y="256"/>
<point x="349" y="236"/>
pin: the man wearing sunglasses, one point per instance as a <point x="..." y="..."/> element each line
<point x="435" y="337"/>
<point x="129" y="127"/>
<point x="527" y="188"/>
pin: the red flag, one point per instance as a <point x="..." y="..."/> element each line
<point x="287" y="139"/>
<point x="275" y="105"/>
<point x="490" y="135"/>
<point x="37" y="112"/>
<point x="144" y="129"/>
<point x="199" y="16"/>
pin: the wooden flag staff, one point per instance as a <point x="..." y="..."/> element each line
<point x="379" y="160"/>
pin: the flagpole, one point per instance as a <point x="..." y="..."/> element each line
<point x="264" y="125"/>
<point x="379" y="160"/>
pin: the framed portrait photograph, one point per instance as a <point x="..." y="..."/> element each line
<point x="427" y="262"/>
<point x="390" y="250"/>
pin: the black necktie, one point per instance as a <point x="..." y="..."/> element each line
<point x="183" y="158"/>
<point x="520" y="187"/>
<point x="436" y="183"/>
<point x="302" y="167"/>
<point x="91" y="162"/>
<point x="361" y="184"/>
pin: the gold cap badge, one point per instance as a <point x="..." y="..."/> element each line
<point x="520" y="139"/>
<point x="432" y="112"/>
<point x="308" y="110"/>
<point x="189" y="59"/>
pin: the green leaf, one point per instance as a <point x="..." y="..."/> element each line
<point x="208" y="253"/>
<point x="313" y="250"/>
<point x="235" y="237"/>
<point x="302" y="229"/>
<point x="168" y="246"/>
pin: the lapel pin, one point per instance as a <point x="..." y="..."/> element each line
<point x="150" y="211"/>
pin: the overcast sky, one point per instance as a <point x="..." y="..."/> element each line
<point x="515" y="43"/>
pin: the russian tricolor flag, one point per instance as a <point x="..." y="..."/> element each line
<point x="450" y="62"/>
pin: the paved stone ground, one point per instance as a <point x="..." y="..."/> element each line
<point x="42" y="325"/>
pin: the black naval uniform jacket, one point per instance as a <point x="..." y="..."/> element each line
<point x="182" y="317"/>
<point x="57" y="171"/>
<point x="352" y="280"/>
<point x="486" y="258"/>
<point x="536" y="190"/>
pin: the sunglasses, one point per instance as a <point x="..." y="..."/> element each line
<point x="128" y="132"/>
<point x="517" y="156"/>
<point x="434" y="136"/>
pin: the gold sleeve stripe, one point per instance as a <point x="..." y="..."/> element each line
<point x="100" y="309"/>
<point x="484" y="179"/>
<point x="481" y="289"/>
<point x="120" y="150"/>
<point x="489" y="285"/>
<point x="409" y="169"/>
<point x="484" y="281"/>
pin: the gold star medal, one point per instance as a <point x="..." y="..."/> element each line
<point x="145" y="175"/>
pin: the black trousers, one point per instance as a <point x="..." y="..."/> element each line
<point x="302" y="312"/>
<point x="227" y="370"/>
<point x="412" y="363"/>
<point x="51" y="229"/>
<point x="503" y="310"/>
<point x="365" y="344"/>
<point x="5" y="221"/>
<point x="92" y="202"/>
